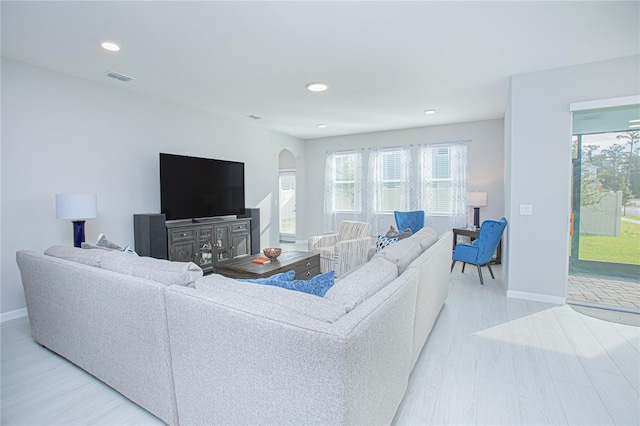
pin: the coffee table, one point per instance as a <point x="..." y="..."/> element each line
<point x="306" y="265"/>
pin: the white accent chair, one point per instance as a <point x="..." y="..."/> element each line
<point x="344" y="251"/>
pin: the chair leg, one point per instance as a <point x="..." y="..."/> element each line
<point x="452" y="265"/>
<point x="491" y="270"/>
<point x="480" y="273"/>
<point x="463" y="265"/>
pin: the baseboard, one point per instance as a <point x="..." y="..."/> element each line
<point x="18" y="313"/>
<point x="536" y="297"/>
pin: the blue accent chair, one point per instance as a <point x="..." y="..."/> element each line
<point x="412" y="220"/>
<point x="480" y="251"/>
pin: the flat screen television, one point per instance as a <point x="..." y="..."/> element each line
<point x="195" y="188"/>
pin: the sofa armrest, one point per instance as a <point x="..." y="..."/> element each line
<point x="351" y="254"/>
<point x="322" y="241"/>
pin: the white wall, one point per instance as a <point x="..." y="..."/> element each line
<point x="485" y="163"/>
<point x="538" y="149"/>
<point x="62" y="134"/>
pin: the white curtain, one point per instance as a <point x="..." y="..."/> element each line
<point x="358" y="213"/>
<point x="459" y="209"/>
<point x="330" y="221"/>
<point x="442" y="181"/>
<point x="375" y="191"/>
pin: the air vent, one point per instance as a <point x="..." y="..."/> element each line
<point x="119" y="76"/>
<point x="255" y="117"/>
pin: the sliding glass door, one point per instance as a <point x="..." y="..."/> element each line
<point x="605" y="239"/>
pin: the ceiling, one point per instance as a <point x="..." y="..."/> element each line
<point x="385" y="62"/>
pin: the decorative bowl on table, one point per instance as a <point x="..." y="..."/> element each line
<point x="272" y="252"/>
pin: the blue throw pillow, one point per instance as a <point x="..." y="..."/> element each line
<point x="318" y="285"/>
<point x="284" y="276"/>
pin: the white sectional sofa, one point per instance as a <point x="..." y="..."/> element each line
<point x="212" y="350"/>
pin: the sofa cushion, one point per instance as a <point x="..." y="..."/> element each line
<point x="402" y="253"/>
<point x="270" y="298"/>
<point x="427" y="237"/>
<point x="317" y="285"/>
<point x="159" y="270"/>
<point x="362" y="283"/>
<point x="75" y="254"/>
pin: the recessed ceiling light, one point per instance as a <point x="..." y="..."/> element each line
<point x="317" y="87"/>
<point x="430" y="111"/>
<point x="322" y="126"/>
<point x="634" y="125"/>
<point x="637" y="120"/>
<point x="110" y="46"/>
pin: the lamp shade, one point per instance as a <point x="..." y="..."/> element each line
<point x="76" y="206"/>
<point x="477" y="199"/>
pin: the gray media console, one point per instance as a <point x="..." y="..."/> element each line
<point x="206" y="242"/>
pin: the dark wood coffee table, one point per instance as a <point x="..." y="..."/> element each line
<point x="306" y="265"/>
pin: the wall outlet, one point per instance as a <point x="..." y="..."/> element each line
<point x="526" y="209"/>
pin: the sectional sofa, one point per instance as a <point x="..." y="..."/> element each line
<point x="212" y="350"/>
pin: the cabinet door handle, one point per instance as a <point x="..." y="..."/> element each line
<point x="308" y="264"/>
<point x="184" y="234"/>
<point x="308" y="273"/>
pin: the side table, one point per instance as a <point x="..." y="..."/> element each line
<point x="473" y="234"/>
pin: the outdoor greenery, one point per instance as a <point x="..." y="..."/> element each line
<point x="622" y="249"/>
<point x="618" y="169"/>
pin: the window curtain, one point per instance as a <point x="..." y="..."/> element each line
<point x="459" y="209"/>
<point x="358" y="212"/>
<point x="330" y="220"/>
<point x="431" y="181"/>
<point x="376" y="188"/>
<point x="375" y="191"/>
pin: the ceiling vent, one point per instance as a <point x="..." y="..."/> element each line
<point x="119" y="76"/>
<point x="255" y="117"/>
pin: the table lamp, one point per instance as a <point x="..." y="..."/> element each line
<point x="477" y="200"/>
<point x="77" y="207"/>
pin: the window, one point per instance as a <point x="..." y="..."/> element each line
<point x="345" y="182"/>
<point x="440" y="187"/>
<point x="440" y="182"/>
<point x="342" y="187"/>
<point x="389" y="172"/>
<point x="391" y="180"/>
<point x="443" y="178"/>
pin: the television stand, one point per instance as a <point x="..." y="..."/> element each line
<point x="209" y="242"/>
<point x="204" y="241"/>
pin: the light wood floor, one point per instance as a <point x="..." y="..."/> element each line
<point x="489" y="360"/>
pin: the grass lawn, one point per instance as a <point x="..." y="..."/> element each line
<point x="622" y="249"/>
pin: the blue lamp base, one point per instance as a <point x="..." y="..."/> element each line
<point x="78" y="233"/>
<point x="476" y="217"/>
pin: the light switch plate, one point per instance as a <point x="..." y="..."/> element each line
<point x="526" y="209"/>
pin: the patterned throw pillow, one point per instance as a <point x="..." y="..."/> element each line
<point x="384" y="242"/>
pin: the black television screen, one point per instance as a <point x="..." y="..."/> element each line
<point x="193" y="187"/>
